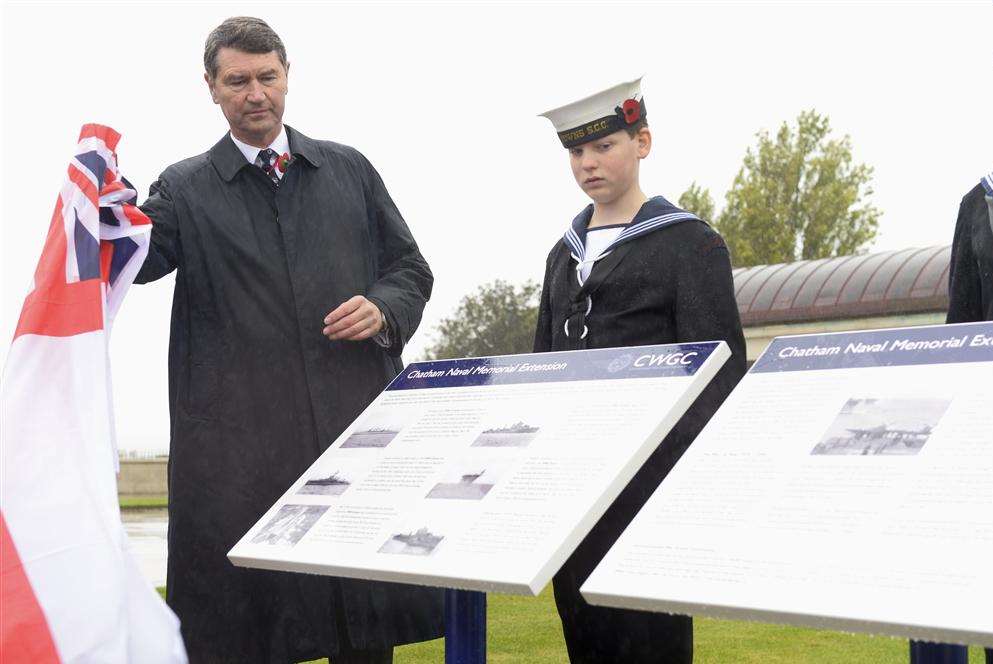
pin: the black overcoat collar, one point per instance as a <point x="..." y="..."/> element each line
<point x="228" y="159"/>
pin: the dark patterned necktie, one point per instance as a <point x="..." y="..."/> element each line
<point x="267" y="160"/>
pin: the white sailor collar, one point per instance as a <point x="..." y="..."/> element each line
<point x="654" y="214"/>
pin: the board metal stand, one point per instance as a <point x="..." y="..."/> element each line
<point x="922" y="652"/>
<point x="465" y="627"/>
<point x="465" y="634"/>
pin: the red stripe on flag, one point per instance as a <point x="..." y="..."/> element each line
<point x="136" y="216"/>
<point x="24" y="633"/>
<point x="62" y="312"/>
<point x="85" y="184"/>
<point x="110" y="187"/>
<point x="55" y="308"/>
<point x="106" y="256"/>
<point x="106" y="134"/>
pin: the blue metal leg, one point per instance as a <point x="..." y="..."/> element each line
<point x="465" y="627"/>
<point x="922" y="652"/>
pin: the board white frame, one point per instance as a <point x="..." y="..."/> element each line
<point x="741" y="570"/>
<point x="656" y="392"/>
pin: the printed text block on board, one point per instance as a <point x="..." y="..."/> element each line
<point x="482" y="474"/>
<point x="846" y="483"/>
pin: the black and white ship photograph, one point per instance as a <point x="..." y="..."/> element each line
<point x="510" y="434"/>
<point x="867" y="427"/>
<point x="333" y="483"/>
<point x="468" y="479"/>
<point x="290" y="524"/>
<point x="420" y="541"/>
<point x="377" y="430"/>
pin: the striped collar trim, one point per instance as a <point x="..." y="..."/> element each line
<point x="987" y="183"/>
<point x="574" y="237"/>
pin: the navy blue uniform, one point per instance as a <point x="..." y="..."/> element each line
<point x="667" y="279"/>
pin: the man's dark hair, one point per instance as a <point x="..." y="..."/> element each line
<point x="243" y="33"/>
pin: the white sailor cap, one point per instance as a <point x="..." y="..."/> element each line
<point x="599" y="114"/>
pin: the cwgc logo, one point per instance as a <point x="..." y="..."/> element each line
<point x="620" y="363"/>
<point x="666" y="359"/>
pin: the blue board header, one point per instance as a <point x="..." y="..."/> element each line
<point x="598" y="364"/>
<point x="934" y="344"/>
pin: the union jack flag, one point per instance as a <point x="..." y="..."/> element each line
<point x="96" y="244"/>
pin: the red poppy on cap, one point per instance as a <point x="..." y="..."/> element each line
<point x="632" y="110"/>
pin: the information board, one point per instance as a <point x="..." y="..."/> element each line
<point x="846" y="483"/>
<point x="481" y="474"/>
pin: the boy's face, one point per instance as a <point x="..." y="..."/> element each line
<point x="607" y="168"/>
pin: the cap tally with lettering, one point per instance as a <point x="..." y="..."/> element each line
<point x="599" y="114"/>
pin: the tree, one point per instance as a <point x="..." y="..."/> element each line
<point x="498" y="319"/>
<point x="797" y="196"/>
<point x="698" y="201"/>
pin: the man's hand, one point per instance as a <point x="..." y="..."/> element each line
<point x="354" y="320"/>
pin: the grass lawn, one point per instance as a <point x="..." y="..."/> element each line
<point x="143" y="502"/>
<point x="525" y="630"/>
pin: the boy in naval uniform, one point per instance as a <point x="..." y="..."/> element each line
<point x="631" y="271"/>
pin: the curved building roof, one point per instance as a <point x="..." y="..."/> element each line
<point x="890" y="282"/>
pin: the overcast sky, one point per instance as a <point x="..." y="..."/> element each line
<point x="443" y="100"/>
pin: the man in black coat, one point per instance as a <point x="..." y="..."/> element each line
<point x="298" y="284"/>
<point x="970" y="276"/>
<point x="631" y="271"/>
<point x="970" y="285"/>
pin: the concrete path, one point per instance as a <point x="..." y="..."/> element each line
<point x="146" y="530"/>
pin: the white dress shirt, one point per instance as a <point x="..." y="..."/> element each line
<point x="280" y="146"/>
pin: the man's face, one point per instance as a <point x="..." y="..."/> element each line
<point x="251" y="90"/>
<point x="608" y="167"/>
